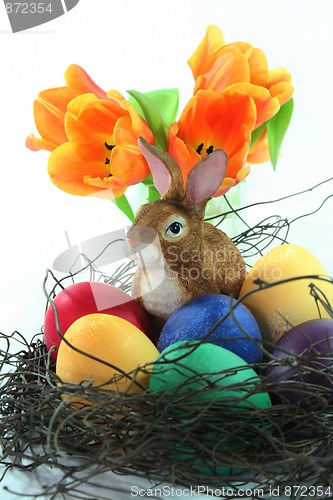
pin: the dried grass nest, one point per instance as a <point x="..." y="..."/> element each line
<point x="135" y="433"/>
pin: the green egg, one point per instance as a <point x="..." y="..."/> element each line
<point x="214" y="395"/>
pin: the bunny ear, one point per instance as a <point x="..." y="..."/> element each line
<point x="206" y="177"/>
<point x="166" y="173"/>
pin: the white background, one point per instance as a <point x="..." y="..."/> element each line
<point x="144" y="45"/>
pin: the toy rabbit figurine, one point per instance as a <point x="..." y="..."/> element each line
<point x="181" y="255"/>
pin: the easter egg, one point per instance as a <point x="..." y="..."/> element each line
<point x="303" y="356"/>
<point x="113" y="340"/>
<point x="90" y="297"/>
<point x="238" y="332"/>
<point x="284" y="305"/>
<point x="209" y="376"/>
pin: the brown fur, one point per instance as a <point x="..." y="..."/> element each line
<point x="203" y="260"/>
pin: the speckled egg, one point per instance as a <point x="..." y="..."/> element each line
<point x="284" y="305"/>
<point x="238" y="331"/>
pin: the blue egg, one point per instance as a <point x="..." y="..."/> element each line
<point x="238" y="331"/>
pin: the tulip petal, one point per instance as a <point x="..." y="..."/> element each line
<point x="88" y="116"/>
<point x="106" y="188"/>
<point x="259" y="151"/>
<point x="49" y="112"/>
<point x="278" y="75"/>
<point x="230" y="67"/>
<point x="123" y="133"/>
<point x="185" y="156"/>
<point x="237" y="161"/>
<point x="266" y="105"/>
<point x="78" y="80"/>
<point x="283" y="91"/>
<point x="232" y="119"/>
<point x="229" y="182"/>
<point x="128" y="166"/>
<point x="257" y="63"/>
<point x="37" y="143"/>
<point x="210" y="44"/>
<point x="67" y="171"/>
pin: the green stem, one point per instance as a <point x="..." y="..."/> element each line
<point x="122" y="203"/>
<point x="153" y="194"/>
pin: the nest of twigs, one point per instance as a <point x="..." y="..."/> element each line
<point x="162" y="436"/>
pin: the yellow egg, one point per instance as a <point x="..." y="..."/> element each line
<point x="111" y="339"/>
<point x="283" y="306"/>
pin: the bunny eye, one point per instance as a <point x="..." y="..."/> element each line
<point x="174" y="229"/>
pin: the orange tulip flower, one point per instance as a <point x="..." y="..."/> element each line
<point x="279" y="84"/>
<point x="101" y="157"/>
<point x="243" y="68"/>
<point x="213" y="120"/>
<point x="51" y="105"/>
<point x="259" y="152"/>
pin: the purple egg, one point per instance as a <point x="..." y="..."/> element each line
<point x="238" y="332"/>
<point x="304" y="358"/>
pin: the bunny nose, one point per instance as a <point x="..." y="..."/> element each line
<point x="133" y="243"/>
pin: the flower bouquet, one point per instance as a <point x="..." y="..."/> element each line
<point x="238" y="105"/>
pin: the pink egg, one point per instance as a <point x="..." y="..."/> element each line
<point x="90" y="297"/>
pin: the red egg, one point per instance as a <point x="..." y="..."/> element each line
<point x="90" y="297"/>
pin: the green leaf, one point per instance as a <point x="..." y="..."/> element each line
<point x="166" y="100"/>
<point x="137" y="106"/>
<point x="277" y="128"/>
<point x="125" y="207"/>
<point x="153" y="117"/>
